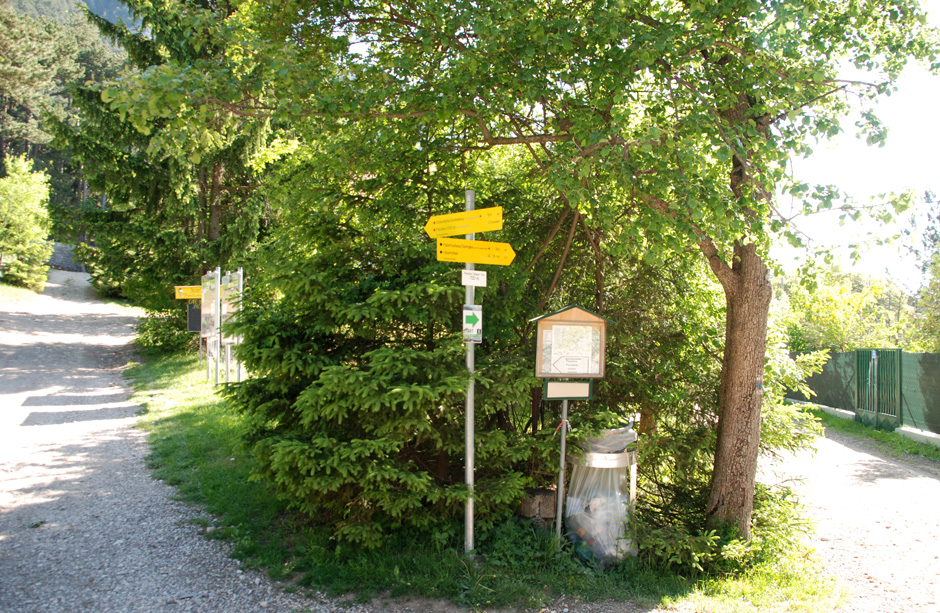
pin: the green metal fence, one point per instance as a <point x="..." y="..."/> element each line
<point x="886" y="388"/>
<point x="878" y="380"/>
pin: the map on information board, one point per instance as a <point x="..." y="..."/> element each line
<point x="571" y="349"/>
<point x="229" y="297"/>
<point x="210" y="305"/>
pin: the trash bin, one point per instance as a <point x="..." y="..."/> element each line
<point x="601" y="493"/>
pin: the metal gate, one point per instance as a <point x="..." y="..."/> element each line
<point x="878" y="391"/>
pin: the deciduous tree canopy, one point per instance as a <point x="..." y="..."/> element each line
<point x="662" y="123"/>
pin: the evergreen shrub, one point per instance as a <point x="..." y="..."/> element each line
<point x="24" y="225"/>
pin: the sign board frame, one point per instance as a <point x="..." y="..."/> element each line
<point x="568" y="390"/>
<point x="571" y="344"/>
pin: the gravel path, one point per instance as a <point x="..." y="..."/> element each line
<point x="877" y="522"/>
<point x="83" y="526"/>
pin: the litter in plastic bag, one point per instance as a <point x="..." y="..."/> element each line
<point x="596" y="512"/>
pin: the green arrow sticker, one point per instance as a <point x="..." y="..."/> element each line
<point x="473" y="323"/>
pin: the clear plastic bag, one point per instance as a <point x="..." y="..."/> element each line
<point x="610" y="441"/>
<point x="596" y="512"/>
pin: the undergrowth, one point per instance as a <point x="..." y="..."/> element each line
<point x="196" y="447"/>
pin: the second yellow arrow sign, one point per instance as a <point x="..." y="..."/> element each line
<point x="468" y="222"/>
<point x="477" y="252"/>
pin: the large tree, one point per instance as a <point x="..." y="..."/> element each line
<point x="674" y="117"/>
<point x="41" y="59"/>
<point x="166" y="217"/>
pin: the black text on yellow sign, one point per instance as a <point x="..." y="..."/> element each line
<point x="466" y="222"/>
<point x="187" y="292"/>
<point x="474" y="252"/>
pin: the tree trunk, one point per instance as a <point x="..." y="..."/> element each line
<point x="748" y="290"/>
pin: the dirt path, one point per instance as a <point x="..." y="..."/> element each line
<point x="877" y="523"/>
<point x="83" y="526"/>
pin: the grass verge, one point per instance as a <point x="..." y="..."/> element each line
<point x="890" y="443"/>
<point x="196" y="447"/>
<point x="15" y="294"/>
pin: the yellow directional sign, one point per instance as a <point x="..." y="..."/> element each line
<point x="187" y="292"/>
<point x="477" y="252"/>
<point x="468" y="222"/>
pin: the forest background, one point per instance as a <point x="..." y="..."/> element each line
<point x="183" y="145"/>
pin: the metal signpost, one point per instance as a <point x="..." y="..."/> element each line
<point x="470" y="251"/>
<point x="469" y="444"/>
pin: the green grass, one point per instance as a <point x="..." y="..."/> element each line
<point x="792" y="584"/>
<point x="196" y="446"/>
<point x="890" y="443"/>
<point x="12" y="293"/>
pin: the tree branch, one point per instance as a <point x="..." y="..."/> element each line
<point x="548" y="240"/>
<point x="561" y="264"/>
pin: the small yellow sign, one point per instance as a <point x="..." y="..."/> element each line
<point x="467" y="222"/>
<point x="188" y="292"/>
<point x="477" y="252"/>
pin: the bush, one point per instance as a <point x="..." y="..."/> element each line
<point x="24" y="225"/>
<point x="164" y="331"/>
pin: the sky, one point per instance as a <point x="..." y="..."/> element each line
<point x="910" y="159"/>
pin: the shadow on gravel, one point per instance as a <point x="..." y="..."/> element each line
<point x="25" y="323"/>
<point x="67" y="400"/>
<point x="875" y="470"/>
<point x="56" y="365"/>
<point x="884" y="464"/>
<point x="55" y="418"/>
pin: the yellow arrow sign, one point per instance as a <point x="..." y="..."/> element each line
<point x="468" y="222"/>
<point x="477" y="252"/>
<point x="187" y="292"/>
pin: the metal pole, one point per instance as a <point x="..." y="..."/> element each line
<point x="228" y="346"/>
<point x="217" y="299"/>
<point x="559" y="504"/>
<point x="468" y="428"/>
<point x="241" y="288"/>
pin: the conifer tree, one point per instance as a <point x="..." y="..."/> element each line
<point x="24" y="224"/>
